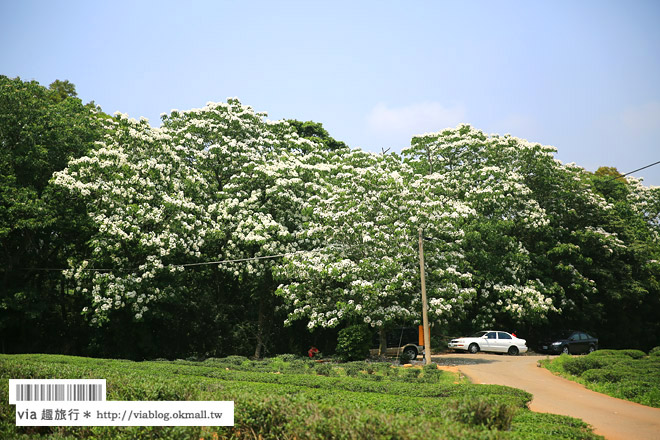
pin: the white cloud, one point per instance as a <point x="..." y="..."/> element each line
<point x="414" y="119"/>
<point x="643" y="119"/>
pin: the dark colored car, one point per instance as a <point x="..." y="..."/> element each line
<point x="569" y="342"/>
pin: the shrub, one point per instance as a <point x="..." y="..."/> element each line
<point x="235" y="360"/>
<point x="411" y="373"/>
<point x="324" y="369"/>
<point x="602" y="375"/>
<point x="655" y="351"/>
<point x="430" y="367"/>
<point x="626" y="374"/>
<point x="578" y="365"/>
<point x="287" y="357"/>
<point x="353" y="343"/>
<point x="483" y="412"/>
<point x="635" y="354"/>
<point x="353" y="369"/>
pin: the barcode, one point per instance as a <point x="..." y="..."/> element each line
<point x="54" y="390"/>
<point x="58" y="392"/>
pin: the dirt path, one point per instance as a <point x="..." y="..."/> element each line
<point x="615" y="419"/>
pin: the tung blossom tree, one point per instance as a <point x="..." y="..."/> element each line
<point x="364" y="264"/>
<point x="219" y="183"/>
<point x="488" y="174"/>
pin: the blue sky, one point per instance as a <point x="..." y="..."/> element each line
<point x="581" y="76"/>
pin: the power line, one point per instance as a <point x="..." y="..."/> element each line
<point x="203" y="263"/>
<point x="634" y="171"/>
<point x="642" y="168"/>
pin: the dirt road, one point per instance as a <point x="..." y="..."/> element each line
<point x="615" y="419"/>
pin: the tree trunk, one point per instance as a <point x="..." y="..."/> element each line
<point x="258" y="351"/>
<point x="382" y="338"/>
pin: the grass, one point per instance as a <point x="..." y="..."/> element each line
<point x="289" y="397"/>
<point x="627" y="374"/>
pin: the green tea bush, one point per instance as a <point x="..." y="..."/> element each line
<point x="324" y="369"/>
<point x="483" y="412"/>
<point x="353" y="343"/>
<point x="605" y="353"/>
<point x="235" y="360"/>
<point x="635" y="354"/>
<point x="299" y="366"/>
<point x="626" y="374"/>
<point x="351" y="369"/>
<point x="578" y="365"/>
<point x="430" y="367"/>
<point x="294" y="405"/>
<point x="546" y="426"/>
<point x="655" y="351"/>
<point x="411" y="373"/>
<point x="287" y="357"/>
<point x="631" y="390"/>
<point x="603" y="375"/>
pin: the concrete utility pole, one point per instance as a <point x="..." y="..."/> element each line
<point x="425" y="315"/>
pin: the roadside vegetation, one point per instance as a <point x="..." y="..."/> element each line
<point x="291" y="397"/>
<point x="627" y="374"/>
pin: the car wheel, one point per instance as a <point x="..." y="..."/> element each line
<point x="591" y="349"/>
<point x="513" y="350"/>
<point x="564" y="350"/>
<point x="473" y="348"/>
<point x="411" y="352"/>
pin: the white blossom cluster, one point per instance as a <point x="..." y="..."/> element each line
<point x="365" y="228"/>
<point x="223" y="184"/>
<point x="216" y="183"/>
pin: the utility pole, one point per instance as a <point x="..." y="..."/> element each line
<point x="425" y="316"/>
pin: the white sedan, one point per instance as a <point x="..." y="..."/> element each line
<point x="490" y="340"/>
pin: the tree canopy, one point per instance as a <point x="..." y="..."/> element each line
<point x="223" y="232"/>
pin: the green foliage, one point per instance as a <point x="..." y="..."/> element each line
<point x="602" y="375"/>
<point x="40" y="225"/>
<point x="635" y="354"/>
<point x="293" y="405"/>
<point x="626" y="374"/>
<point x="324" y="369"/>
<point x="484" y="412"/>
<point x="545" y="426"/>
<point x="314" y="131"/>
<point x="578" y="365"/>
<point x="62" y="90"/>
<point x="353" y="343"/>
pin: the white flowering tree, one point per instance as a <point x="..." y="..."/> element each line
<point x="488" y="173"/>
<point x="545" y="243"/>
<point x="219" y="183"/>
<point x="363" y="266"/>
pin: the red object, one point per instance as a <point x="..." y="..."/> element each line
<point x="312" y="351"/>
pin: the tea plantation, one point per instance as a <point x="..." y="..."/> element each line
<point x="626" y="374"/>
<point x="288" y="397"/>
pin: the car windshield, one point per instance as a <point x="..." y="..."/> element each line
<point x="478" y="334"/>
<point x="562" y="335"/>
